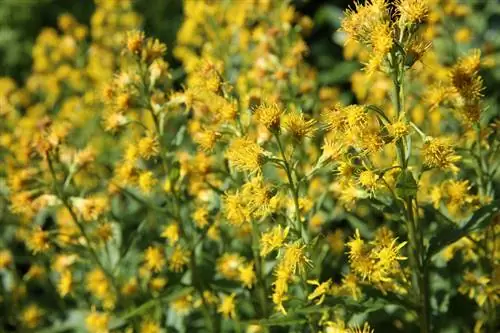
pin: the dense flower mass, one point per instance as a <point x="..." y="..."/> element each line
<point x="251" y="196"/>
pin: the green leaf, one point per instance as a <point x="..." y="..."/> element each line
<point x="357" y="223"/>
<point x="329" y="14"/>
<point x="338" y="74"/>
<point x="478" y="220"/>
<point x="74" y="323"/>
<point x="279" y="321"/>
<point x="406" y="185"/>
<point x="149" y="304"/>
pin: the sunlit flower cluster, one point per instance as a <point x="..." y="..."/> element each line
<point x="249" y="195"/>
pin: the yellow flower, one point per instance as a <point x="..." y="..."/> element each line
<point x="235" y="209"/>
<point x="154" y="259"/>
<point x="320" y="291"/>
<point x="207" y="139"/>
<point x="171" y="232"/>
<point x="356" y="247"/>
<point x="154" y="49"/>
<point x="269" y="115"/>
<point x="31" y="316"/>
<point x="104" y="232"/>
<point x="294" y="258"/>
<point x="182" y="305"/>
<point x="357" y="117"/>
<point x="178" y="259"/>
<point x="149" y="326"/>
<point x="399" y="130"/>
<point x="381" y="40"/>
<point x="200" y="217"/>
<point x="97" y="322"/>
<point x="360" y="22"/>
<point x="245" y="155"/>
<point x="65" y="283"/>
<point x="227" y="307"/>
<point x="369" y="180"/>
<point x="130" y="287"/>
<point x="377" y="261"/>
<point x="297" y="126"/>
<point x="135" y="41"/>
<point x="479" y="288"/>
<point x="147" y="181"/>
<point x="247" y="275"/>
<point x="148" y="146"/>
<point x="228" y="265"/>
<point x="412" y="11"/>
<point x="463" y="35"/>
<point x="126" y="173"/>
<point x="272" y="240"/>
<point x="257" y="195"/>
<point x="439" y="153"/>
<point x="465" y="78"/>
<point x="332" y="150"/>
<point x="113" y="121"/>
<point x="38" y="241"/>
<point x="351" y="283"/>
<point x="387" y="257"/>
<point x="5" y="259"/>
<point x="158" y="283"/>
<point x="98" y="285"/>
<point x="90" y="209"/>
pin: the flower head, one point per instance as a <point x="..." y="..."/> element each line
<point x="135" y="41"/>
<point x="247" y="275"/>
<point x="39" y="241"/>
<point x="269" y="115"/>
<point x="227" y="306"/>
<point x="439" y="153"/>
<point x="412" y="11"/>
<point x="245" y="155"/>
<point x="97" y="322"/>
<point x="295" y="123"/>
<point x="272" y="240"/>
<point x="178" y="259"/>
<point x="154" y="259"/>
<point x="148" y="146"/>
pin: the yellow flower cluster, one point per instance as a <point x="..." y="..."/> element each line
<point x="224" y="203"/>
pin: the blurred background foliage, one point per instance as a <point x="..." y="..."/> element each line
<point x="22" y="20"/>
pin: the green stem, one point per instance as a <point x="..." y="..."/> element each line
<point x="159" y="132"/>
<point x="195" y="282"/>
<point x="294" y="189"/>
<point x="261" y="286"/>
<point x="484" y="189"/>
<point x="209" y="323"/>
<point x="64" y="199"/>
<point x="419" y="266"/>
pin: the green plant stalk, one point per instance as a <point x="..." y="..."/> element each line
<point x="146" y="95"/>
<point x="261" y="286"/>
<point x="209" y="323"/>
<point x="420" y="273"/>
<point x="483" y="186"/>
<point x="295" y="191"/>
<point x="160" y="139"/>
<point x="62" y="196"/>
